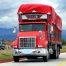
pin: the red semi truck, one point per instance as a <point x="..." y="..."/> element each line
<point x="39" y="33"/>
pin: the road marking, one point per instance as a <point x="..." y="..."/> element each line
<point x="62" y="64"/>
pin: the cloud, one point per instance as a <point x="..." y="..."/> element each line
<point x="47" y="2"/>
<point x="4" y="19"/>
<point x="7" y="21"/>
<point x="8" y="10"/>
<point x="8" y="13"/>
<point x="62" y="5"/>
<point x="63" y="16"/>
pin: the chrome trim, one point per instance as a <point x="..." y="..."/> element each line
<point x="30" y="52"/>
<point x="28" y="42"/>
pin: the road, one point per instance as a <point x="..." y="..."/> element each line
<point x="39" y="62"/>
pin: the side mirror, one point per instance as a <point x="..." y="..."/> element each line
<point x="14" y="29"/>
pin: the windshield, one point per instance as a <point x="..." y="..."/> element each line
<point x="31" y="27"/>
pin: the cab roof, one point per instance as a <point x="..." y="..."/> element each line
<point x="28" y="8"/>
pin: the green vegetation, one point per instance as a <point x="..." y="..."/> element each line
<point x="5" y="54"/>
<point x="63" y="46"/>
<point x="63" y="42"/>
<point x="6" y="42"/>
<point x="63" y="49"/>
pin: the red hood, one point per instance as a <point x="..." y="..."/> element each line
<point x="37" y="34"/>
<point x="33" y="33"/>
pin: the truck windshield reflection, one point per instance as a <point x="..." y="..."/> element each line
<point x="31" y="27"/>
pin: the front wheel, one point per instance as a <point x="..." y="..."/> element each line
<point x="16" y="59"/>
<point x="45" y="58"/>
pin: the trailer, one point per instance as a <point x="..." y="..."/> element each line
<point x="39" y="34"/>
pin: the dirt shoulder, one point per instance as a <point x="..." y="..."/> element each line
<point x="6" y="60"/>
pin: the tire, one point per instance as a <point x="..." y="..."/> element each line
<point x="45" y="58"/>
<point x="58" y="52"/>
<point x="55" y="54"/>
<point x="16" y="59"/>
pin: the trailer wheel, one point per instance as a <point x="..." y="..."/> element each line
<point x="16" y="59"/>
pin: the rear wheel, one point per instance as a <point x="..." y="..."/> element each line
<point x="16" y="59"/>
<point x="55" y="54"/>
<point x="58" y="52"/>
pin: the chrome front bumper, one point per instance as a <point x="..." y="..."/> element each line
<point x="30" y="52"/>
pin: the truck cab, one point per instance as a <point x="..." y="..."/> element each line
<point x="36" y="33"/>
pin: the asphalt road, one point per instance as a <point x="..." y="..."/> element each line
<point x="39" y="62"/>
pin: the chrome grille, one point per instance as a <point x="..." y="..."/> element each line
<point x="28" y="42"/>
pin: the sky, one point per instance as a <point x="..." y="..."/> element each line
<point x="9" y="8"/>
